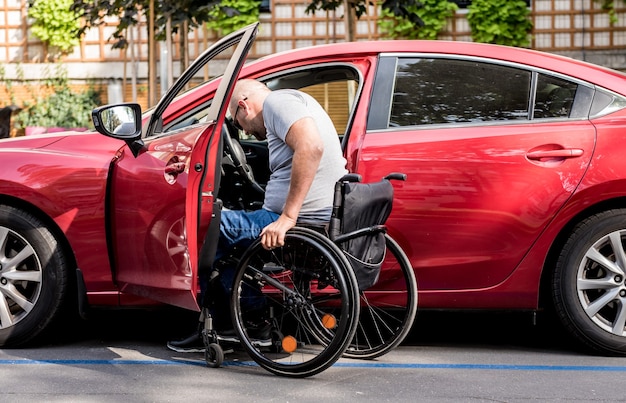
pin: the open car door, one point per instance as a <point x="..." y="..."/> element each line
<point x="164" y="183"/>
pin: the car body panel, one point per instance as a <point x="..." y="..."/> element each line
<point x="148" y="216"/>
<point x="66" y="181"/>
<point x="470" y="193"/>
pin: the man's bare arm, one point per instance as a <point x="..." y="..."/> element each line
<point x="307" y="146"/>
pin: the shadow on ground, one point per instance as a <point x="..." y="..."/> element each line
<point x="432" y="328"/>
<point x="475" y="328"/>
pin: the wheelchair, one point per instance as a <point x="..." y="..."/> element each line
<point x="345" y="289"/>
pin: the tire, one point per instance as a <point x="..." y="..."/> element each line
<point x="589" y="283"/>
<point x="214" y="355"/>
<point x="294" y="291"/>
<point x="388" y="308"/>
<point x="33" y="277"/>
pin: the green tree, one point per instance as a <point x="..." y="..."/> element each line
<point x="224" y="20"/>
<point x="434" y="14"/>
<point x="503" y="22"/>
<point x="397" y="8"/>
<point x="192" y="12"/>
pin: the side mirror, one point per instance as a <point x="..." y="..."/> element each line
<point x="120" y="121"/>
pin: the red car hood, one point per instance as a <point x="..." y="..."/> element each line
<point x="71" y="142"/>
<point x="53" y="171"/>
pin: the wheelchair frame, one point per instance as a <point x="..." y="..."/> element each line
<point x="314" y="307"/>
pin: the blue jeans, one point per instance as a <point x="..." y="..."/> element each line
<point x="241" y="228"/>
<point x="237" y="228"/>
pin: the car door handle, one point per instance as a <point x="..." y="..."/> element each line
<point x="561" y="153"/>
<point x="175" y="168"/>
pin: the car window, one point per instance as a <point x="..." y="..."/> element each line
<point x="337" y="98"/>
<point x="444" y="91"/>
<point x="554" y="97"/>
<point x="334" y="86"/>
<point x="605" y="102"/>
<point x="198" y="114"/>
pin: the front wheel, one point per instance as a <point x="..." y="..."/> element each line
<point x="589" y="283"/>
<point x="33" y="276"/>
<point x="284" y="297"/>
<point x="214" y="355"/>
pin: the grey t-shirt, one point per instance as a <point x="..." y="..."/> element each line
<point x="281" y="109"/>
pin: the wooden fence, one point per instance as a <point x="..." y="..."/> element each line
<point x="559" y="25"/>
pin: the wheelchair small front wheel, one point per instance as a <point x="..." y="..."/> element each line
<point x="214" y="355"/>
<point x="292" y="292"/>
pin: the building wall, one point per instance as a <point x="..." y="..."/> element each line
<point x="577" y="28"/>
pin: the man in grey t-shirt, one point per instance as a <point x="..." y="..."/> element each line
<point x="305" y="156"/>
<point x="305" y="160"/>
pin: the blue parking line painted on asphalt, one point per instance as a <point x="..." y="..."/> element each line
<point x="501" y="367"/>
<point x="122" y="362"/>
<point x="507" y="367"/>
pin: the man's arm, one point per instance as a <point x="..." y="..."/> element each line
<point x="307" y="146"/>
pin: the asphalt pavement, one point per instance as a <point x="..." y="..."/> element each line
<point x="448" y="357"/>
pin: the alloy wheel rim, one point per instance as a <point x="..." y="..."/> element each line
<point x="20" y="278"/>
<point x="601" y="283"/>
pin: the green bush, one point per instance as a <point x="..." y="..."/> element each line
<point x="503" y="22"/>
<point x="55" y="23"/>
<point x="609" y="6"/>
<point x="61" y="108"/>
<point x="433" y="13"/>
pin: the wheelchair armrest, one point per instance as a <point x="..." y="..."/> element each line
<point x="396" y="175"/>
<point x="320" y="228"/>
<point x="351" y="178"/>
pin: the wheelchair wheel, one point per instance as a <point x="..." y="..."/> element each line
<point x="283" y="297"/>
<point x="214" y="355"/>
<point x="388" y="308"/>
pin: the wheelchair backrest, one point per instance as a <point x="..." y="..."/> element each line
<point x="357" y="225"/>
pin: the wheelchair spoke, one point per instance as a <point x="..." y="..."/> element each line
<point x="304" y="288"/>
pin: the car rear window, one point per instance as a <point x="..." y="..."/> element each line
<point x="555" y="97"/>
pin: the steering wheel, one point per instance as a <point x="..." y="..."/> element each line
<point x="238" y="156"/>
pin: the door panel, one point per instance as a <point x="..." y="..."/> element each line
<point x="476" y="198"/>
<point x="148" y="211"/>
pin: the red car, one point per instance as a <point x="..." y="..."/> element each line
<point x="515" y="198"/>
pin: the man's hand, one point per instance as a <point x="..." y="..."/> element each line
<point x="273" y="236"/>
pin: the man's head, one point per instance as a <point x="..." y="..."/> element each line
<point x="246" y="107"/>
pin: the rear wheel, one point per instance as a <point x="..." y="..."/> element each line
<point x="283" y="297"/>
<point x="33" y="277"/>
<point x="388" y="308"/>
<point x="589" y="283"/>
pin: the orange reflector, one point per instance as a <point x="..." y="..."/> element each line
<point x="329" y="321"/>
<point x="289" y="344"/>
